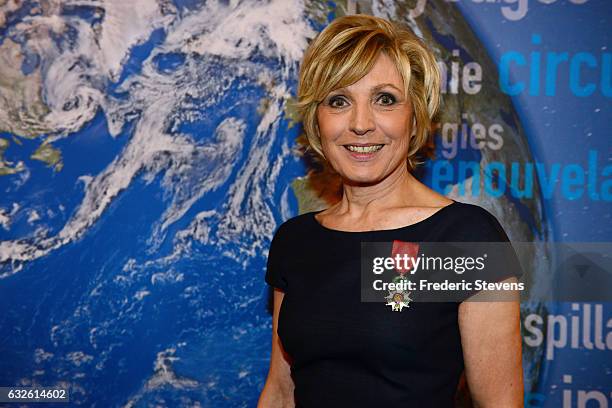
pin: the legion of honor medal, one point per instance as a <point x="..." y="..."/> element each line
<point x="398" y="299"/>
<point x="400" y="296"/>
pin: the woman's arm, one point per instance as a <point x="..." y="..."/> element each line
<point x="278" y="390"/>
<point x="491" y="340"/>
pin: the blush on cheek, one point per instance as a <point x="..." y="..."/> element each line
<point x="330" y="127"/>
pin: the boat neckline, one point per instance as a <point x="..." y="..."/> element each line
<point x="409" y="226"/>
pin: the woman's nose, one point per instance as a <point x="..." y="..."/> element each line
<point x="362" y="119"/>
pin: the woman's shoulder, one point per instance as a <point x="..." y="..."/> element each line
<point x="471" y="211"/>
<point x="298" y="224"/>
<point x="472" y="222"/>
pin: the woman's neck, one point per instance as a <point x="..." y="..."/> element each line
<point x="399" y="189"/>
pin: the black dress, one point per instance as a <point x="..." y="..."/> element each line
<point x="348" y="353"/>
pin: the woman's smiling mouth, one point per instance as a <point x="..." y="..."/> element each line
<point x="364" y="148"/>
<point x="363" y="152"/>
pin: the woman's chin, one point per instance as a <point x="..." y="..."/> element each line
<point x="362" y="180"/>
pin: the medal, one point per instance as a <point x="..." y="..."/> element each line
<point x="400" y="298"/>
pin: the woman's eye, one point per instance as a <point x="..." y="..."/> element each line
<point x="337" y="102"/>
<point x="386" y="99"/>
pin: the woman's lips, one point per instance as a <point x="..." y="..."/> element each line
<point x="362" y="156"/>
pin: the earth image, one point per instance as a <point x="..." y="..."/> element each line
<point x="148" y="152"/>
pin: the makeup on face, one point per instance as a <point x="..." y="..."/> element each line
<point x="365" y="127"/>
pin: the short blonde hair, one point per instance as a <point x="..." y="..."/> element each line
<point x="346" y="50"/>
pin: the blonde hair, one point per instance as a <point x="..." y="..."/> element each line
<point x="346" y="50"/>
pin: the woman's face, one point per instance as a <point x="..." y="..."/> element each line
<point x="365" y="127"/>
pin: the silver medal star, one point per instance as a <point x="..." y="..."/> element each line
<point x="398" y="299"/>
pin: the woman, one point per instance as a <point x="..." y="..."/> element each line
<point x="368" y="91"/>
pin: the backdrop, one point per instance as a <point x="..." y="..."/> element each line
<point x="148" y="153"/>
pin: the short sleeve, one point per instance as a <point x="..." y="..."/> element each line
<point x="274" y="268"/>
<point x="506" y="263"/>
<point x="474" y="233"/>
<point x="502" y="261"/>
